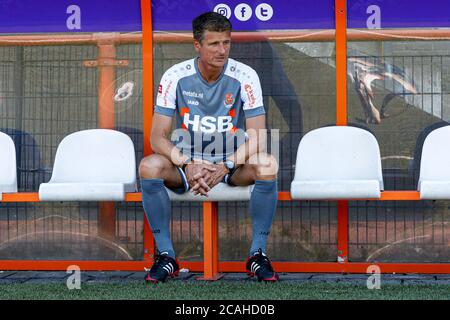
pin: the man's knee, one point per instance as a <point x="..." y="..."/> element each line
<point x="264" y="165"/>
<point x="153" y="166"/>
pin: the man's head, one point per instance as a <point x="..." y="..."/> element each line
<point x="212" y="38"/>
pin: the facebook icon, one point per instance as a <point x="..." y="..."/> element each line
<point x="243" y="12"/>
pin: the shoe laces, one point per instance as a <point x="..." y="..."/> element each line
<point x="262" y="260"/>
<point x="160" y="261"/>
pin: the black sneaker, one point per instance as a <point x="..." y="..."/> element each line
<point x="259" y="265"/>
<point x="163" y="267"/>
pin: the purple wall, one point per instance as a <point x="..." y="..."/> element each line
<point x="30" y="16"/>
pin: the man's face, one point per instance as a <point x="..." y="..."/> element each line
<point x="214" y="48"/>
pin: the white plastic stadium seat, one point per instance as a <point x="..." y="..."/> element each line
<point x="434" y="179"/>
<point x="92" y="165"/>
<point x="338" y="163"/>
<point x="221" y="192"/>
<point x="8" y="169"/>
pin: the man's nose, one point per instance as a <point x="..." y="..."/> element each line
<point x="222" y="48"/>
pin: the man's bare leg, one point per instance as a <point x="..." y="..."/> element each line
<point x="156" y="166"/>
<point x="260" y="166"/>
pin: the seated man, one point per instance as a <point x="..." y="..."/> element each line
<point x="216" y="97"/>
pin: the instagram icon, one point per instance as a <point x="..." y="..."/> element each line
<point x="223" y="9"/>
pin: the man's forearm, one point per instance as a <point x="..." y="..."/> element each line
<point x="165" y="147"/>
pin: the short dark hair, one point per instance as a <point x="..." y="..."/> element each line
<point x="211" y="21"/>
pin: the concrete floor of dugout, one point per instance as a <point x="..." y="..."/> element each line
<point x="8" y="277"/>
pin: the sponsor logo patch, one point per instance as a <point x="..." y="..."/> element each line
<point x="193" y="102"/>
<point x="250" y="95"/>
<point x="207" y="124"/>
<point x="166" y="93"/>
<point x="193" y="94"/>
<point x="229" y="100"/>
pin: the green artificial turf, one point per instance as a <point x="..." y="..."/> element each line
<point x="178" y="290"/>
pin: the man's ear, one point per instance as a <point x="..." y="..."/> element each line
<point x="197" y="45"/>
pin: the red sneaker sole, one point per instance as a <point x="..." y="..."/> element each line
<point x="172" y="275"/>
<point x="275" y="277"/>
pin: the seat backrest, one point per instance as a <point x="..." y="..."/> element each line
<point x="97" y="155"/>
<point x="415" y="166"/>
<point x="8" y="169"/>
<point x="338" y="153"/>
<point x="435" y="162"/>
<point x="30" y="169"/>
